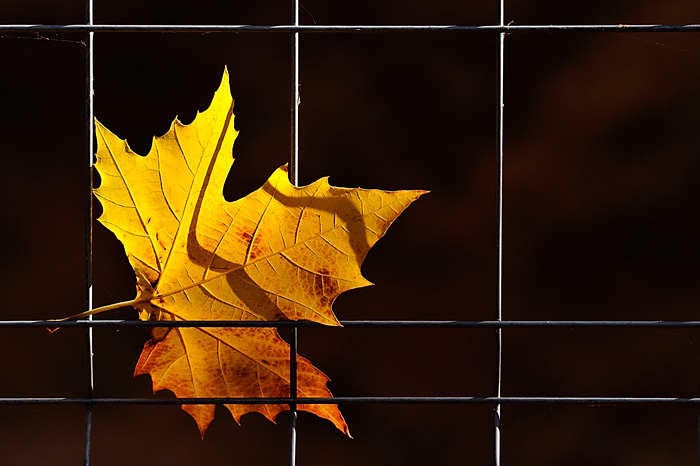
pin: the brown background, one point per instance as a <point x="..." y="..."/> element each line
<point x="601" y="222"/>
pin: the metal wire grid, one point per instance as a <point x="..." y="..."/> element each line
<point x="294" y="29"/>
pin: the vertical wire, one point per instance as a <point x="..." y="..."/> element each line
<point x="698" y="426"/>
<point x="294" y="162"/>
<point x="499" y="242"/>
<point x="89" y="146"/>
<point x="293" y="393"/>
<point x="294" y="179"/>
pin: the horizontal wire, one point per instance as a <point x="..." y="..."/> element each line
<point x="355" y="323"/>
<point x="493" y="400"/>
<point x="204" y="28"/>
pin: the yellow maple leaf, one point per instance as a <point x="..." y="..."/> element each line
<point x="281" y="253"/>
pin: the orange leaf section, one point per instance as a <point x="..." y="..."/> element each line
<point x="280" y="253"/>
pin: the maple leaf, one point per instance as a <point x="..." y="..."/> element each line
<point x="281" y="253"/>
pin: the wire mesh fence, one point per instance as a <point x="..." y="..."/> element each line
<point x="625" y="327"/>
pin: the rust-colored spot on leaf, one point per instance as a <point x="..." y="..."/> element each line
<point x="325" y="287"/>
<point x="256" y="249"/>
<point x="244" y="234"/>
<point x="163" y="243"/>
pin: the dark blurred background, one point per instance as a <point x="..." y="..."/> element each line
<point x="602" y="162"/>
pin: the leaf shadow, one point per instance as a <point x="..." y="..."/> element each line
<point x="242" y="284"/>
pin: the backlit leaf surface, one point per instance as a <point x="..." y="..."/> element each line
<point x="280" y="253"/>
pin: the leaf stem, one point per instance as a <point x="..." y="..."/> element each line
<point x="98" y="310"/>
